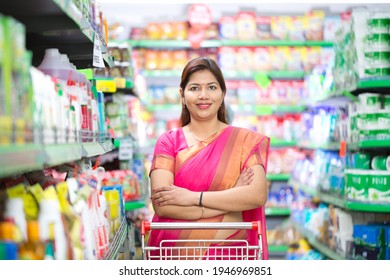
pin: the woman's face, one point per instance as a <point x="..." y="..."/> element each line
<point x="203" y="95"/>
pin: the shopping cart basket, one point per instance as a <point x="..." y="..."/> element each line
<point x="201" y="249"/>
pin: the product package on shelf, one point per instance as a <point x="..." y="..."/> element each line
<point x="362" y="47"/>
<point x="16" y="121"/>
<point x="369" y="118"/>
<point x="68" y="205"/>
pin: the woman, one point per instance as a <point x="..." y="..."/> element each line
<point x="207" y="170"/>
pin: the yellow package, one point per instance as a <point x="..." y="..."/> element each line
<point x="32" y="199"/>
<point x="279" y="58"/>
<point x="246" y="25"/>
<point x="280" y="27"/>
<point x="315" y="25"/>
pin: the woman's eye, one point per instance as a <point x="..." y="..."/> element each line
<point x="194" y="88"/>
<point x="213" y="87"/>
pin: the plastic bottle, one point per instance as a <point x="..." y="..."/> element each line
<point x="33" y="248"/>
<point x="50" y="216"/>
<point x="14" y="211"/>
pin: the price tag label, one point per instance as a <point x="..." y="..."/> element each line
<point x="97" y="53"/>
<point x="120" y="82"/>
<point x="106" y="85"/>
<point x="125" y="149"/>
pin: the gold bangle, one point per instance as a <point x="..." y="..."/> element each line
<point x="202" y="212"/>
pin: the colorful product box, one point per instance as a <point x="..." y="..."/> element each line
<point x="369" y="235"/>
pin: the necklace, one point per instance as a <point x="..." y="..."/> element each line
<point x="208" y="138"/>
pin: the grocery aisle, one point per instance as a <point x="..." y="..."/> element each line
<point x="79" y="119"/>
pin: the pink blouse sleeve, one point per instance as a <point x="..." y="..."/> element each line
<point x="260" y="154"/>
<point x="163" y="157"/>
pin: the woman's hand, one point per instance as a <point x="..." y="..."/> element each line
<point x="246" y="177"/>
<point x="173" y="195"/>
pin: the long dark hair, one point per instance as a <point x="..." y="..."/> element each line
<point x="195" y="65"/>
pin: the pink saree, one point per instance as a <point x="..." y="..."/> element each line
<point x="213" y="167"/>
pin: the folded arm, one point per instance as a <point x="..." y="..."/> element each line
<point x="251" y="195"/>
<point x="160" y="178"/>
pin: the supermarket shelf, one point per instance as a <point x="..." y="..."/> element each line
<point x="118" y="242"/>
<point x="276" y="43"/>
<point x="380" y="85"/>
<point x="354" y="205"/>
<point x="275" y="211"/>
<point x="324" y="249"/>
<point x="278" y="177"/>
<point x="56" y="24"/>
<point x="161" y="73"/>
<point x="331" y="146"/>
<point x="282" y="143"/>
<point x="112" y="85"/>
<point x="57" y="154"/>
<point x="134" y="205"/>
<point x="231" y="74"/>
<point x="91" y="149"/>
<point x="163" y="107"/>
<point x="171" y="43"/>
<point x="228" y="74"/>
<point x="267" y="109"/>
<point x="305" y="189"/>
<point x="30" y="157"/>
<point x="278" y="248"/>
<point x="20" y="158"/>
<point x="370" y="144"/>
<point x="219" y="43"/>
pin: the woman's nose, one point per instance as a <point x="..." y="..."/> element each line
<point x="203" y="93"/>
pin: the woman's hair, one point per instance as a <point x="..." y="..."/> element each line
<point x="199" y="64"/>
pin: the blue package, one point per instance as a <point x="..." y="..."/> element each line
<point x="370" y="235"/>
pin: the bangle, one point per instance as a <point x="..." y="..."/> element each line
<point x="200" y="199"/>
<point x="202" y="212"/>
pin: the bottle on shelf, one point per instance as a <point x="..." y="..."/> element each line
<point x="33" y="248"/>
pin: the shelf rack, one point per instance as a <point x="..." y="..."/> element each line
<point x="124" y="237"/>
<point x="30" y="157"/>
<point x="56" y="24"/>
<point x="278" y="177"/>
<point x="330" y="146"/>
<point x="324" y="249"/>
<point x="346" y="204"/>
<point x="278" y="249"/>
<point x="370" y="144"/>
<point x="224" y="43"/>
<point x="378" y="85"/>
<point x="277" y="211"/>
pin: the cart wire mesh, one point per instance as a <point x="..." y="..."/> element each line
<point x="202" y="249"/>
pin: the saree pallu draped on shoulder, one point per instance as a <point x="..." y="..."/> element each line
<point x="212" y="167"/>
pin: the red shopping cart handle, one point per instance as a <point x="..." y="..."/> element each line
<point x="147" y="226"/>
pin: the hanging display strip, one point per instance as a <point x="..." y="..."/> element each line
<point x="106" y="85"/>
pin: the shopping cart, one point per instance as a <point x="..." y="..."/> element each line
<point x="202" y="249"/>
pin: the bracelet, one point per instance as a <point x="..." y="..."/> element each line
<point x="200" y="199"/>
<point x="202" y="212"/>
